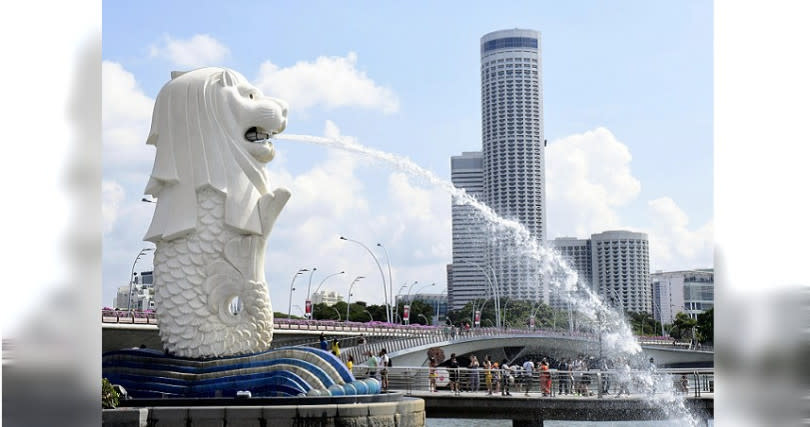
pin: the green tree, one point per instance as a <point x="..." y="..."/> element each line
<point x="643" y="323"/>
<point x="705" y="326"/>
<point x="418" y="307"/>
<point x="682" y="327"/>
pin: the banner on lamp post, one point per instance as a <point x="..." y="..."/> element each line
<point x="477" y="317"/>
<point x="531" y="322"/>
<point x="308" y="309"/>
<point x="406" y="314"/>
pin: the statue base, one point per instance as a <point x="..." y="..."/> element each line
<point x="381" y="410"/>
<point x="282" y="372"/>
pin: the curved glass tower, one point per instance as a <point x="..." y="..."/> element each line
<point x="514" y="150"/>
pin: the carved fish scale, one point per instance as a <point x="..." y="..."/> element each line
<point x="197" y="276"/>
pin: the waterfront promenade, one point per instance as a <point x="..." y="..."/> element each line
<point x="534" y="409"/>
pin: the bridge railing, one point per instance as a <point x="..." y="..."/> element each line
<point x="592" y="383"/>
<point x="126" y="316"/>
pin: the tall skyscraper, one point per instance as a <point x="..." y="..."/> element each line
<point x="514" y="151"/>
<point x="621" y="269"/>
<point x="577" y="254"/>
<point x="466" y="282"/>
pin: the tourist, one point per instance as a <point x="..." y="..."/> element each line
<point x="373" y="365"/>
<point x="545" y="378"/>
<point x="324" y="344"/>
<point x="350" y="363"/>
<point x="528" y="372"/>
<point x="623" y="379"/>
<point x="496" y="372"/>
<point x="683" y="384"/>
<point x="506" y="378"/>
<point x="335" y="347"/>
<point x="488" y="374"/>
<point x="454" y="374"/>
<point x="603" y="366"/>
<point x="432" y="374"/>
<point x="564" y="382"/>
<point x="473" y="372"/>
<point x="385" y="361"/>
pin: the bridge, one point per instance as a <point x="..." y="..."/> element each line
<point x="407" y="345"/>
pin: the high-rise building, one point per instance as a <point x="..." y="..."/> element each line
<point x="466" y="282"/>
<point x="621" y="269"/>
<point x="577" y="254"/>
<point x="689" y="291"/>
<point x="327" y="297"/>
<point x="513" y="158"/>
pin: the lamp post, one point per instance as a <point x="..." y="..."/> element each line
<point x="494" y="288"/>
<point x="349" y="297"/>
<point x="385" y="288"/>
<point x="438" y="300"/>
<point x="423" y="316"/>
<point x="410" y="288"/>
<point x="336" y="311"/>
<point x="309" y="295"/>
<point x="300" y="309"/>
<point x="309" y="286"/>
<point x="371" y="318"/>
<point x="295" y="276"/>
<point x="132" y="275"/>
<point x="390" y="281"/>
<point x="410" y="300"/>
<point x="396" y="298"/>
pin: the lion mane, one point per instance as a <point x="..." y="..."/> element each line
<point x="198" y="145"/>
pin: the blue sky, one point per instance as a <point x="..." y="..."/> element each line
<point x="627" y="112"/>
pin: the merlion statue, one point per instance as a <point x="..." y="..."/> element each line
<point x="211" y="130"/>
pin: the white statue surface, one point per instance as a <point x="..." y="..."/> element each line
<point x="211" y="130"/>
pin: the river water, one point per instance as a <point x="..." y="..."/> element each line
<point x="463" y="422"/>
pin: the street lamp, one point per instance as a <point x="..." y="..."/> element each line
<point x="369" y="315"/>
<point x="385" y="289"/>
<point x="396" y="298"/>
<point x="390" y="280"/>
<point x="349" y="297"/>
<point x="410" y="288"/>
<point x="309" y="295"/>
<point x="309" y="286"/>
<point x="132" y="275"/>
<point x="336" y="311"/>
<point x="295" y="276"/>
<point x="495" y="290"/>
<point x="419" y="290"/>
<point x="438" y="300"/>
<point x="300" y="309"/>
<point x="423" y="316"/>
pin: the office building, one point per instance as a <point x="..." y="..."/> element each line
<point x="688" y="291"/>
<point x="621" y="269"/>
<point x="466" y="281"/>
<point x="327" y="297"/>
<point x="577" y="255"/>
<point x="513" y="155"/>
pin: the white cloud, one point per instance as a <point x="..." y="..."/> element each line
<point x="588" y="177"/>
<point x="201" y="50"/>
<point x="329" y="200"/>
<point x="590" y="181"/>
<point x="330" y="82"/>
<point x="125" y="120"/>
<point x="672" y="244"/>
<point x="111" y="196"/>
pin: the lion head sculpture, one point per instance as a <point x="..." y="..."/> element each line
<point x="210" y="128"/>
